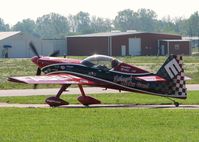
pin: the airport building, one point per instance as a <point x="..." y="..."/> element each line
<point x="16" y="45"/>
<point x="127" y="44"/>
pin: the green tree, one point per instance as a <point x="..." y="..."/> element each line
<point x="27" y="26"/>
<point x="193" y="22"/>
<point x="147" y="20"/>
<point x="100" y="25"/>
<point x="181" y="26"/>
<point x="125" y="20"/>
<point x="166" y="25"/>
<point x="52" y="26"/>
<point x="3" y="26"/>
<point x="142" y="20"/>
<point x="72" y="23"/>
<point x="82" y="22"/>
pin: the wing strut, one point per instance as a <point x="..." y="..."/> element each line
<point x="62" y="89"/>
<point x="86" y="100"/>
<point x="55" y="101"/>
<point x="81" y="90"/>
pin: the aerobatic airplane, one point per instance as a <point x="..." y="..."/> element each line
<point x="106" y="72"/>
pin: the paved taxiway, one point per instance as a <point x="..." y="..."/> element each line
<point x="111" y="106"/>
<point x="88" y="90"/>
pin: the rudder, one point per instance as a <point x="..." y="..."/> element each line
<point x="172" y="70"/>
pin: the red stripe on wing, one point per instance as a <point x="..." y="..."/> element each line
<point x="51" y="79"/>
<point x="151" y="78"/>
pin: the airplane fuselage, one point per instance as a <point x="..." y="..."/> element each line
<point x="110" y="78"/>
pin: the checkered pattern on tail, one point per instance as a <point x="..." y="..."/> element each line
<point x="177" y="87"/>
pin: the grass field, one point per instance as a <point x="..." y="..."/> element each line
<point x="98" y="125"/>
<point x="118" y="98"/>
<point x="21" y="67"/>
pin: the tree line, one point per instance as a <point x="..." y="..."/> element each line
<point x="54" y="25"/>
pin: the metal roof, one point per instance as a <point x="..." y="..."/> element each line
<point x="191" y="38"/>
<point x="110" y="34"/>
<point x="105" y="34"/>
<point x="4" y="35"/>
<point x="174" y="40"/>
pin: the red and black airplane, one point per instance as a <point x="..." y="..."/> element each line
<point x="107" y="72"/>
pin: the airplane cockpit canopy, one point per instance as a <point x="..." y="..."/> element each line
<point x="101" y="62"/>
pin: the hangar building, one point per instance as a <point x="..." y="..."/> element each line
<point x="16" y="45"/>
<point x="127" y="43"/>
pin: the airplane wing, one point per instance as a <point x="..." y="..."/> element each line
<point x="51" y="79"/>
<point x="156" y="78"/>
<point x="151" y="78"/>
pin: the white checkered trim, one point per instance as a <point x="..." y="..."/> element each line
<point x="179" y="89"/>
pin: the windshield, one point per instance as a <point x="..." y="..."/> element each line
<point x="101" y="62"/>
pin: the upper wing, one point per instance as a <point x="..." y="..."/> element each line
<point x="52" y="79"/>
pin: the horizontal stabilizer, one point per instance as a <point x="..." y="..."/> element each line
<point x="151" y="78"/>
<point x="187" y="78"/>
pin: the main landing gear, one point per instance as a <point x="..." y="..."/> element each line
<point x="55" y="101"/>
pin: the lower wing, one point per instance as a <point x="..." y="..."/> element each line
<point x="51" y="79"/>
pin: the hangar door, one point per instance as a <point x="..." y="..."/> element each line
<point x="134" y="46"/>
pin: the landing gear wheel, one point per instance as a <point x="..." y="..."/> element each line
<point x="86" y="106"/>
<point x="87" y="100"/>
<point x="55" y="102"/>
<point x="176" y="104"/>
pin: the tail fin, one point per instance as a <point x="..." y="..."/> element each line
<point x="172" y="70"/>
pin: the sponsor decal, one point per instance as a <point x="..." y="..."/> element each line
<point x="127" y="81"/>
<point x="142" y="85"/>
<point x="173" y="68"/>
<point x="92" y="74"/>
<point x="62" y="67"/>
<point x="125" y="68"/>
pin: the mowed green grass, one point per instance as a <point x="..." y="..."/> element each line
<point x="109" y="98"/>
<point x="98" y="125"/>
<point x="24" y="67"/>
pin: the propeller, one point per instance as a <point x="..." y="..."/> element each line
<point x="34" y="50"/>
<point x="37" y="73"/>
<point x="55" y="53"/>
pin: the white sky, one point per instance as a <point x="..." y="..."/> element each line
<point x="12" y="11"/>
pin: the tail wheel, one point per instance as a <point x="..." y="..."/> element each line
<point x="176" y="104"/>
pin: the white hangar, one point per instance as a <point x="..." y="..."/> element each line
<point x="16" y="45"/>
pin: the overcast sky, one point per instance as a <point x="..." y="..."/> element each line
<point x="12" y="11"/>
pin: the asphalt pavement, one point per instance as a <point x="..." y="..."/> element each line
<point x="108" y="106"/>
<point x="88" y="90"/>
